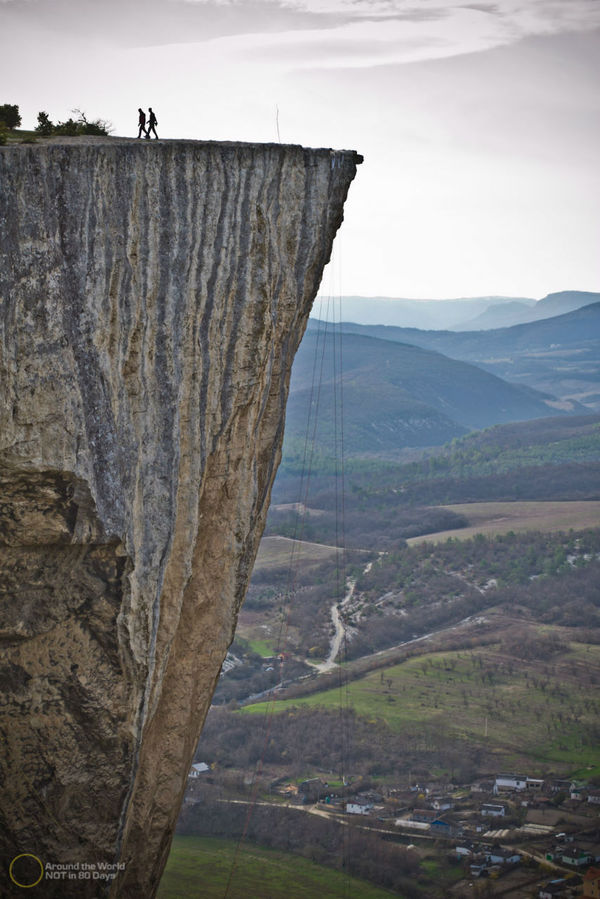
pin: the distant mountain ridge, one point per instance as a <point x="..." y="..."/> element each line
<point x="462" y="314"/>
<point x="566" y="301"/>
<point x="558" y="355"/>
<point x="410" y="313"/>
<point x="499" y="315"/>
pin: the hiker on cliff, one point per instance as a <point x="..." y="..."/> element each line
<point x="142" y="123"/>
<point x="152" y="122"/>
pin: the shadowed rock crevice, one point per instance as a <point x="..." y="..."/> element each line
<point x="152" y="299"/>
<point x="67" y="744"/>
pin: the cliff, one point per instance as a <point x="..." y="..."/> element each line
<point x="152" y="298"/>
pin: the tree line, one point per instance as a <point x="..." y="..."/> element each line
<point x="10" y="120"/>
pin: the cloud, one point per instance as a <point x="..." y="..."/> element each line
<point x="156" y="22"/>
<point x="438" y="30"/>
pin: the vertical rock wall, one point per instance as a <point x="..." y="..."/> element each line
<point x="152" y="298"/>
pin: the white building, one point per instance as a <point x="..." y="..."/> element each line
<point x="509" y="782"/>
<point x="198" y="769"/>
<point x="495" y="811"/>
<point x="359" y="808"/>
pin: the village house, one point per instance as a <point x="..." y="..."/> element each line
<point x="441" y="828"/>
<point x="499" y="856"/>
<point x="577" y="790"/>
<point x="535" y="783"/>
<point x="506" y="783"/>
<point x="478" y="867"/>
<point x="442" y="804"/>
<point x="553" y="888"/>
<point x="483" y="786"/>
<point x="359" y="807"/>
<point x="494" y="811"/>
<point x="423" y="815"/>
<point x="594" y="797"/>
<point x="591" y="883"/>
<point x="575" y="857"/>
<point x="591" y="847"/>
<point x="560" y="786"/>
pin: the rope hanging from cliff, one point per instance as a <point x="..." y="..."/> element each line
<point x="340" y="542"/>
<point x="310" y="439"/>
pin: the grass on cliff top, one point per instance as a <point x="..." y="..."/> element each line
<point x="544" y="710"/>
<point x="20" y="136"/>
<point x="200" y="867"/>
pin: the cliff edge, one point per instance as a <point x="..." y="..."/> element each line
<point x="152" y="298"/>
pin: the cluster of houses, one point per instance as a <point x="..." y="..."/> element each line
<point x="575" y="790"/>
<point x="478" y="821"/>
<point x="420" y="807"/>
<point x="587" y="886"/>
<point x="485" y="861"/>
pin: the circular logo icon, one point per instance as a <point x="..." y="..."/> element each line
<point x="26" y="886"/>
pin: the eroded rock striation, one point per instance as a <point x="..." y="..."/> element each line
<point x="152" y="298"/>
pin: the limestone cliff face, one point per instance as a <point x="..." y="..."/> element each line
<point x="152" y="297"/>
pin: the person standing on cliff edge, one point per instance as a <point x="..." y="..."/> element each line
<point x="152" y="123"/>
<point x="142" y="123"/>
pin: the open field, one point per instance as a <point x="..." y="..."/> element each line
<point x="200" y="867"/>
<point x="262" y="630"/>
<point x="541" y="709"/>
<point x="276" y="552"/>
<point x="499" y="518"/>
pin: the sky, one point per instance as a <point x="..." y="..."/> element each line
<point x="478" y="121"/>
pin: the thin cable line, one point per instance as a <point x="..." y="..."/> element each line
<point x="293" y="568"/>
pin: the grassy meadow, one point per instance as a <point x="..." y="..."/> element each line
<point x="541" y="709"/>
<point x="200" y="868"/>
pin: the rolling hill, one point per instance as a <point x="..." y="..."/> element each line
<point x="397" y="396"/>
<point x="558" y="355"/>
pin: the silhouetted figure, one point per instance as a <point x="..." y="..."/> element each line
<point x="142" y="123"/>
<point x="152" y="122"/>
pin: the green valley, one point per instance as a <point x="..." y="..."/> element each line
<point x="419" y="620"/>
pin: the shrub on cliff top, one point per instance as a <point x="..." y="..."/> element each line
<point x="44" y="125"/>
<point x="9" y="114"/>
<point x="72" y="127"/>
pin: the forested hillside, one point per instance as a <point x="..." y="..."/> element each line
<point x="550" y="458"/>
<point x="558" y="355"/>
